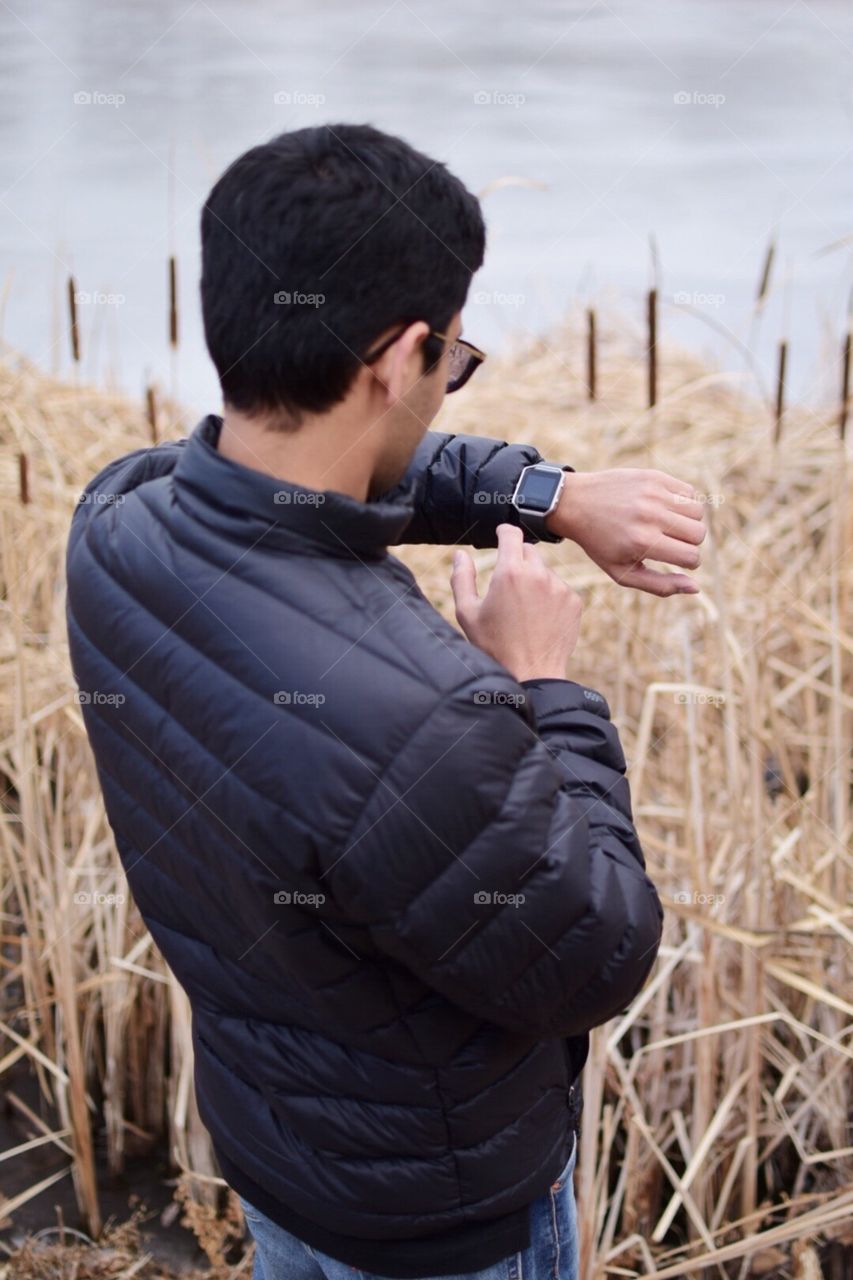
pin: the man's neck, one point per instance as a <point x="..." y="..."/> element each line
<point x="314" y="455"/>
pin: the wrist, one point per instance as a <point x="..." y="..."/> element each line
<point x="525" y="675"/>
<point x="567" y="518"/>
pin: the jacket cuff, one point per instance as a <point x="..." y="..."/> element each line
<point x="550" y="698"/>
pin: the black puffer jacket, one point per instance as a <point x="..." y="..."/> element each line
<point x="398" y="887"/>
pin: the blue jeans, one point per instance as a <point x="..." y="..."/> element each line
<point x="551" y="1255"/>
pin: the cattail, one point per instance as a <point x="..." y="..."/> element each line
<point x="845" y="375"/>
<point x="780" y="390"/>
<point x="652" y="317"/>
<point x="653" y="347"/>
<point x="72" y="312"/>
<point x="764" y="281"/>
<point x="23" y="478"/>
<point x="173" y="301"/>
<point x="591" y="353"/>
<point x="151" y="412"/>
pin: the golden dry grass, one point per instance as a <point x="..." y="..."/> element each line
<point x="717" y="1132"/>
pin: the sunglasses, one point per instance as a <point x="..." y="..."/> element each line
<point x="464" y="357"/>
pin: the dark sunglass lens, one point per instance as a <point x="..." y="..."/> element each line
<point x="458" y="362"/>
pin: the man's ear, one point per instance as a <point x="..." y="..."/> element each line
<point x="401" y="366"/>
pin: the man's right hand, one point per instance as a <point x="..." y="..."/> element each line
<point x="529" y="618"/>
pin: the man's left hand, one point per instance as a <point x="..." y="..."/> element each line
<point x="621" y="518"/>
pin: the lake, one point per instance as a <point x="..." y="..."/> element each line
<point x="711" y="124"/>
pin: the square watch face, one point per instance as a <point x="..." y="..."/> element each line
<point x="538" y="489"/>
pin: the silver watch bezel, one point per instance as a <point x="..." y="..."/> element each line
<point x="530" y="511"/>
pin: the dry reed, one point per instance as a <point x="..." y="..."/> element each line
<point x="716" y="1133"/>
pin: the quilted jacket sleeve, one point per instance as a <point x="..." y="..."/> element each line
<point x="462" y="487"/>
<point x="461" y="484"/>
<point x="498" y="860"/>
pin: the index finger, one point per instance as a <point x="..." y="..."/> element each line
<point x="510" y="546"/>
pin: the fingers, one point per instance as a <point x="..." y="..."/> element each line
<point x="681" y="494"/>
<point x="687" y="506"/>
<point x="657" y="583"/>
<point x="680" y="487"/>
<point x="463" y="583"/>
<point x="684" y="529"/>
<point x="510" y="546"/>
<point x="671" y="551"/>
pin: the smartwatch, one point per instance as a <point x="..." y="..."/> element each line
<point x="536" y="496"/>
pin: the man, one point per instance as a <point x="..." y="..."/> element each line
<point x="393" y="868"/>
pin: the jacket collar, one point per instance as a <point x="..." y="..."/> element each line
<point x="251" y="506"/>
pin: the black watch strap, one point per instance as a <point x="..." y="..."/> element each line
<point x="535" y="524"/>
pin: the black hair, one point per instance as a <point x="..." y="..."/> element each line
<point x="313" y="245"/>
